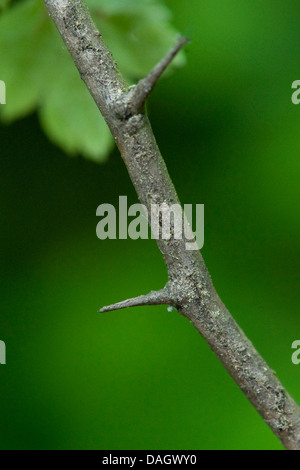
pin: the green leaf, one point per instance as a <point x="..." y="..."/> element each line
<point x="70" y="117"/>
<point x="138" y="32"/>
<point x="40" y="75"/>
<point x="19" y="50"/>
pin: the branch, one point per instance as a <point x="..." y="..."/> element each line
<point x="190" y="286"/>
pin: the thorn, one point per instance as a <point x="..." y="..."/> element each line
<point x="160" y="297"/>
<point x="142" y="90"/>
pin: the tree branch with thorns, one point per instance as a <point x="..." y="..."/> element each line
<point x="189" y="289"/>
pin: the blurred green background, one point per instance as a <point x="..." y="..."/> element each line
<point x="143" y="378"/>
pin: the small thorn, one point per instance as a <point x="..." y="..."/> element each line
<point x="160" y="297"/>
<point x="141" y="91"/>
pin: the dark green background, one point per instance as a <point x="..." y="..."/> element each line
<point x="143" y="378"/>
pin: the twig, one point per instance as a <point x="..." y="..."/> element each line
<point x="190" y="287"/>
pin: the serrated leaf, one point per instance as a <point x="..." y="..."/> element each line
<point x="40" y="75"/>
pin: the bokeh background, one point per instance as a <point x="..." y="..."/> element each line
<point x="143" y="378"/>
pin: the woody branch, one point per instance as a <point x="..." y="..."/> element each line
<point x="189" y="289"/>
